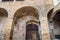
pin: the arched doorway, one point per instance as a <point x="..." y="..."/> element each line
<point x="54" y="25"/>
<point x="21" y="16"/>
<point x="32" y="32"/>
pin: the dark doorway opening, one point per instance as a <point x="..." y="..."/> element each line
<point x="32" y="32"/>
<point x="56" y="23"/>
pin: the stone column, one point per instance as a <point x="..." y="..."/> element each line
<point x="45" y="28"/>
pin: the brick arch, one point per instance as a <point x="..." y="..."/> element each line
<point x="21" y="12"/>
<point x="3" y="12"/>
<point x="33" y="22"/>
<point x="27" y="10"/>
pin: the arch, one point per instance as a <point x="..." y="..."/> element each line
<point x="49" y="17"/>
<point x="3" y="12"/>
<point x="50" y="13"/>
<point x="56" y="12"/>
<point x="27" y="10"/>
<point x="24" y="11"/>
<point x="21" y="12"/>
<point x="33" y="21"/>
<point x="54" y="25"/>
<point x="32" y="27"/>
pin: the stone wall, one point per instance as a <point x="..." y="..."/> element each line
<point x="42" y="6"/>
